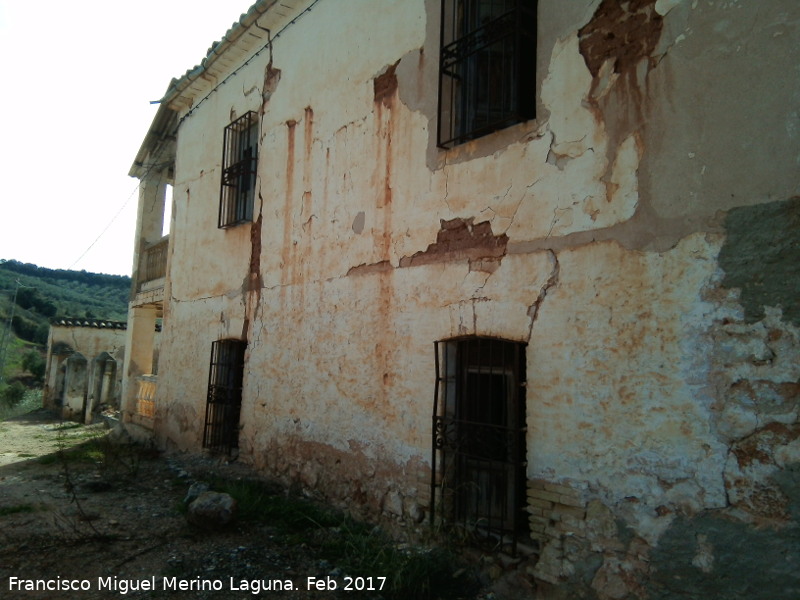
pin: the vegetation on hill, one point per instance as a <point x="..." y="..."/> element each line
<point x="30" y="298"/>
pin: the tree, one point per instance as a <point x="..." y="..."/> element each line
<point x="33" y="362"/>
<point x="47" y="308"/>
<point x="26" y="297"/>
<point x="24" y="327"/>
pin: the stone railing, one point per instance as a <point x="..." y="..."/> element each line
<point x="154" y="261"/>
<point x="146" y="396"/>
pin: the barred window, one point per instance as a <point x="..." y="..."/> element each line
<point x="487" y="69"/>
<point x="479" y="425"/>
<point x="225" y="377"/>
<point x="239" y="164"/>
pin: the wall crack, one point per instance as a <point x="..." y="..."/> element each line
<point x="519" y="203"/>
<point x="552" y="280"/>
<point x="446" y="188"/>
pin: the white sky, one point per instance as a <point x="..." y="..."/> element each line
<point x="78" y="78"/>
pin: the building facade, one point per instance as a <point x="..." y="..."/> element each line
<point x="524" y="268"/>
<point x="83" y="370"/>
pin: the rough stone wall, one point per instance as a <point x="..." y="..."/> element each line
<point x="640" y="235"/>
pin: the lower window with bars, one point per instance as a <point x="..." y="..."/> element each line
<point x="479" y="455"/>
<point x="225" y="377"/>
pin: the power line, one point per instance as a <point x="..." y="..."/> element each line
<point x="107" y="227"/>
<point x="153" y="165"/>
<point x="5" y="338"/>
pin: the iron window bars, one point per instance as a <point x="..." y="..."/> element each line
<point x="239" y="164"/>
<point x="478" y="451"/>
<point x="225" y="377"/>
<point x="487" y="69"/>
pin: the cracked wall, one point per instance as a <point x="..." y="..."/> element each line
<point x="611" y="234"/>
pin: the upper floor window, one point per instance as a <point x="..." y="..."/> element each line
<point x="239" y="164"/>
<point x="487" y="69"/>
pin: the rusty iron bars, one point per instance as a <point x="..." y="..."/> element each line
<point x="154" y="261"/>
<point x="478" y="438"/>
<point x="146" y="396"/>
<point x="239" y="166"/>
<point x="487" y="68"/>
<point x="225" y="378"/>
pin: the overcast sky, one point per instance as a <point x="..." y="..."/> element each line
<point x="75" y="106"/>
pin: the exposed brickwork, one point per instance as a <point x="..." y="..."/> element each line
<point x="459" y="239"/>
<point x="555" y="510"/>
<point x="385" y="85"/>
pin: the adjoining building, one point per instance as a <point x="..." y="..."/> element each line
<point x="524" y="268"/>
<point x="83" y="370"/>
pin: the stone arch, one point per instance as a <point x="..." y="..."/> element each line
<point x="53" y="395"/>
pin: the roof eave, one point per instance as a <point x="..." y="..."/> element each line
<point x="179" y="97"/>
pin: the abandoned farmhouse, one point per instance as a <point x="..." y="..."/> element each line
<point x="83" y="371"/>
<point x="524" y="269"/>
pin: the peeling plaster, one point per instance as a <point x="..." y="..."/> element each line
<point x="272" y="77"/>
<point x="652" y="391"/>
<point x="385" y="85"/>
<point x="761" y="257"/>
<point x="459" y="239"/>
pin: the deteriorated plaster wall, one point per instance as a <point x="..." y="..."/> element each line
<point x="90" y="342"/>
<point x="640" y="235"/>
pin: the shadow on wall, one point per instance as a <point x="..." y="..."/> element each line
<point x="87" y="388"/>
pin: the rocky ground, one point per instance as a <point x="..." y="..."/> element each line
<point x="76" y="510"/>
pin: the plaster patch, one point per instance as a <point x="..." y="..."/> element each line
<point x="620" y="32"/>
<point x="761" y="256"/>
<point x="358" y="223"/>
<point x="704" y="558"/>
<point x="664" y="6"/>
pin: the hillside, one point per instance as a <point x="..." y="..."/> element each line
<point x="44" y="294"/>
<point x="61" y="293"/>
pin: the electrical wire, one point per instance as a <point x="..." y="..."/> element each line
<point x="107" y="227"/>
<point x="155" y="163"/>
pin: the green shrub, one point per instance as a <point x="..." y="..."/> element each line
<point x="32" y="400"/>
<point x="11" y="395"/>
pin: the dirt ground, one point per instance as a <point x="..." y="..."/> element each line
<point x="120" y="525"/>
